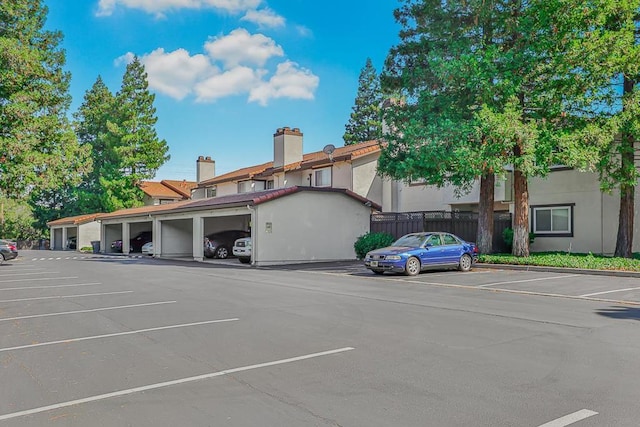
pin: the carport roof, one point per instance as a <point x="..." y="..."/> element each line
<point x="74" y="220"/>
<point x="242" y="199"/>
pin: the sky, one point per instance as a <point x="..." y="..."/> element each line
<point x="228" y="73"/>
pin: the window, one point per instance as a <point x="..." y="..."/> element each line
<point x="210" y="192"/>
<point x="166" y="201"/>
<point x="434" y="240"/>
<point x="250" y="185"/>
<point x="554" y="220"/>
<point x="450" y="240"/>
<point x="270" y="185"/>
<point x="322" y="177"/>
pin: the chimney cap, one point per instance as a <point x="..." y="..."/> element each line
<point x="287" y="131"/>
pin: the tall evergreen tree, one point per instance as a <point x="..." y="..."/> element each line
<point x="365" y="122"/>
<point x="486" y="85"/>
<point x="38" y="149"/>
<point x="91" y="127"/>
<point x="131" y="141"/>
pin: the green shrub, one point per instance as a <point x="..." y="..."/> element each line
<point x="507" y="236"/>
<point x="86" y="249"/>
<point x="370" y="241"/>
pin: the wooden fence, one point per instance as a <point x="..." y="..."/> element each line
<point x="462" y="224"/>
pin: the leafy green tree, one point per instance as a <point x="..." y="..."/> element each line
<point x="38" y="149"/>
<point x="365" y="122"/>
<point x="17" y="221"/>
<point x="131" y="144"/>
<point x="486" y="85"/>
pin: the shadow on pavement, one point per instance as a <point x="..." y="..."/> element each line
<point x="621" y="313"/>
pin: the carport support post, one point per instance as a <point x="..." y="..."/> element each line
<point x="126" y="230"/>
<point x="64" y="238"/>
<point x="198" y="238"/>
<point x="52" y="238"/>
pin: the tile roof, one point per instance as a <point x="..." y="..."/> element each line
<point x="74" y="220"/>
<point x="172" y="189"/>
<point x="346" y="153"/>
<point x="242" y="199"/>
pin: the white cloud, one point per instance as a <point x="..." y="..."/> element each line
<point x="106" y="7"/>
<point x="265" y="18"/>
<point x="241" y="47"/>
<point x="304" y="31"/>
<point x="175" y="73"/>
<point x="179" y="74"/>
<point x="289" y="81"/>
<point x="232" y="82"/>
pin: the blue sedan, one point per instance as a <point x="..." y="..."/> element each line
<point x="415" y="252"/>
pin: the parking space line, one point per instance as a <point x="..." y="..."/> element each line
<point x="49" y="286"/>
<point x="36" y="280"/>
<point x="528" y="280"/>
<point x="66" y="296"/>
<point x="30" y="274"/>
<point x="570" y="419"/>
<point x="168" y="384"/>
<point x="610" y="292"/>
<point x="92" y="310"/>
<point x="117" y="334"/>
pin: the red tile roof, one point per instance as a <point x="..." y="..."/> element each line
<point x="168" y="189"/>
<point x="346" y="153"/>
<point x="74" y="220"/>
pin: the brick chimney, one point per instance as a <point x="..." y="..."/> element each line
<point x="205" y="168"/>
<point x="287" y="146"/>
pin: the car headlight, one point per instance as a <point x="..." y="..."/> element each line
<point x="367" y="256"/>
<point x="393" y="257"/>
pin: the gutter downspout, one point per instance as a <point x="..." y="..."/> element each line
<point x="254" y="234"/>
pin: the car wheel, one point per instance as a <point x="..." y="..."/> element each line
<point x="465" y="263"/>
<point x="222" y="252"/>
<point x="245" y="260"/>
<point x="412" y="267"/>
<point x="377" y="272"/>
<point x="1" y="258"/>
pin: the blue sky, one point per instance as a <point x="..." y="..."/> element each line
<point x="228" y="73"/>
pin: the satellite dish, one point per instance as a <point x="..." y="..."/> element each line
<point x="328" y="150"/>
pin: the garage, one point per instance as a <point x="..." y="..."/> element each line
<point x="74" y="233"/>
<point x="289" y="225"/>
<point x="132" y="227"/>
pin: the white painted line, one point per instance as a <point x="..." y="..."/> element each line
<point x="34" y="280"/>
<point x="31" y="274"/>
<point x="570" y="419"/>
<point x="62" y="313"/>
<point x="66" y="296"/>
<point x="610" y="292"/>
<point x="528" y="280"/>
<point x="49" y="286"/>
<point x="167" y="384"/>
<point x="95" y="337"/>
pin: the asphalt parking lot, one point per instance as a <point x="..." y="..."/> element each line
<point x="92" y="340"/>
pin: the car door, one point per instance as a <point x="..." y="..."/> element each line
<point x="433" y="253"/>
<point x="452" y="248"/>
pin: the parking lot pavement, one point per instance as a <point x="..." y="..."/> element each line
<point x="110" y="342"/>
<point x="581" y="286"/>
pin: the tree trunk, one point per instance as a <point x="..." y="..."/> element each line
<point x="521" y="215"/>
<point x="484" y="239"/>
<point x="624" y="240"/>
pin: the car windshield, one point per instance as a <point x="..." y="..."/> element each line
<point x="411" y="240"/>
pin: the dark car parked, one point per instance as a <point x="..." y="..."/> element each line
<point x="72" y="242"/>
<point x="8" y="250"/>
<point x="218" y="245"/>
<point x="135" y="244"/>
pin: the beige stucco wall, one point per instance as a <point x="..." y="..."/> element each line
<point x="366" y="181"/>
<point x="595" y="214"/>
<point x="87" y="233"/>
<point x="226" y="189"/>
<point x="341" y="175"/>
<point x="307" y="227"/>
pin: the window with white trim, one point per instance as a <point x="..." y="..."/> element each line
<point x="210" y="191"/>
<point x="322" y="177"/>
<point x="552" y="220"/>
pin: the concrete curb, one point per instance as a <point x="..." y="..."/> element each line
<point x="612" y="273"/>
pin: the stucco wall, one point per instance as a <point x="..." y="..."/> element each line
<point x="595" y="214"/>
<point x="177" y="238"/>
<point x="88" y="233"/>
<point x="306" y="227"/>
<point x="366" y="181"/>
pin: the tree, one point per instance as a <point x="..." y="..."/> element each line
<point x="17" y="220"/>
<point x="486" y="85"/>
<point x="38" y="149"/>
<point x="365" y="121"/>
<point x="91" y="126"/>
<point x="131" y="143"/>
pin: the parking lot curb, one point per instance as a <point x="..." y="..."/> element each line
<point x="613" y="273"/>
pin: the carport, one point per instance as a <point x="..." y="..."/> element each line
<point x="289" y="225"/>
<point x="84" y="228"/>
